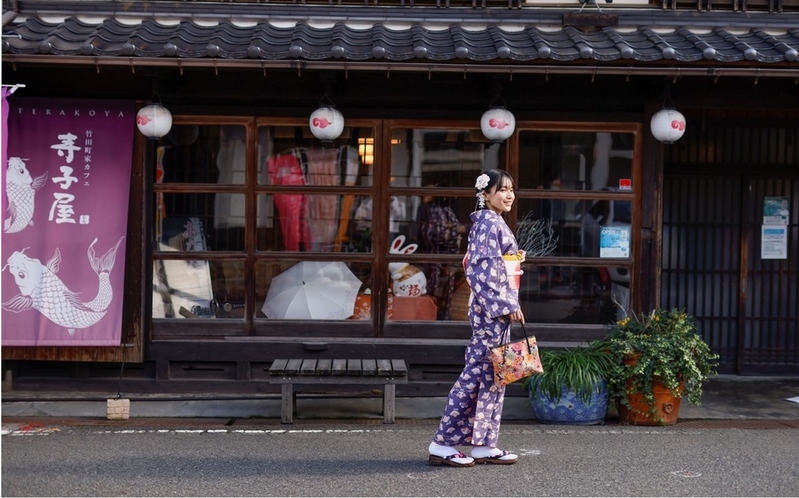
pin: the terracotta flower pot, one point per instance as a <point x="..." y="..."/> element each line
<point x="639" y="413"/>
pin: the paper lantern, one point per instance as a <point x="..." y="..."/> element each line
<point x="326" y="123"/>
<point x="497" y="124"/>
<point x="667" y="125"/>
<point x="154" y="121"/>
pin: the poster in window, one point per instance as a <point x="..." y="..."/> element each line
<point x="614" y="242"/>
<point x="67" y="183"/>
<point x="774" y="242"/>
<point x="775" y="211"/>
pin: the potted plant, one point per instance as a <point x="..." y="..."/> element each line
<point x="573" y="388"/>
<point x="658" y="358"/>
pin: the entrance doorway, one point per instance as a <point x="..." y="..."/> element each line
<point x="716" y="266"/>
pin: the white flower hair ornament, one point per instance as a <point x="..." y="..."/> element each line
<point x="480" y="185"/>
<point x="482" y="182"/>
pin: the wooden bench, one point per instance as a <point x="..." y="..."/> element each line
<point x="289" y="372"/>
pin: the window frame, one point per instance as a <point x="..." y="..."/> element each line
<point x="381" y="191"/>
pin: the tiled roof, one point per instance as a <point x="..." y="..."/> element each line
<point x="265" y="40"/>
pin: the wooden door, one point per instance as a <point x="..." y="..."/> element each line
<point x="768" y="335"/>
<point x="746" y="306"/>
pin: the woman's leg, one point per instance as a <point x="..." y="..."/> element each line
<point x="455" y="427"/>
<point x="490" y="402"/>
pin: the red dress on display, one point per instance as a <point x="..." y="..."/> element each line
<point x="292" y="209"/>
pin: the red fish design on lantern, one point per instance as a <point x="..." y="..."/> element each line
<point x="678" y="125"/>
<point x="143" y="120"/>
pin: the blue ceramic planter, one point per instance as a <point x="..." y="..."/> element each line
<point x="571" y="410"/>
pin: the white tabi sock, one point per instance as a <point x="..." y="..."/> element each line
<point x="441" y="451"/>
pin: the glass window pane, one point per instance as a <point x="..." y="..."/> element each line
<point x="291" y="155"/>
<point x="548" y="294"/>
<point x="202" y="154"/>
<point x="427" y="291"/>
<point x="281" y="290"/>
<point x="314" y="222"/>
<point x="571" y="228"/>
<point x="570" y="160"/>
<point x="199" y="222"/>
<point x="198" y="289"/>
<point x="452" y="157"/>
<point x="567" y="294"/>
<point x="436" y="224"/>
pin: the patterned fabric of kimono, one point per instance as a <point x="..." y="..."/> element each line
<point x="474" y="407"/>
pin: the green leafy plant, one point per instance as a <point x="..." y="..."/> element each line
<point x="662" y="346"/>
<point x="580" y="370"/>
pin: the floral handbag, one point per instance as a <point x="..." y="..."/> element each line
<point x="515" y="360"/>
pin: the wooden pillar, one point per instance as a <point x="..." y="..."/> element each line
<point x="647" y="285"/>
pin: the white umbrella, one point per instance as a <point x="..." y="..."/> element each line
<point x="313" y="290"/>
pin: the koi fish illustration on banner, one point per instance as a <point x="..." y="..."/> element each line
<point x="20" y="189"/>
<point x="67" y="182"/>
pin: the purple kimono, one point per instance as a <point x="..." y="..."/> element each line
<point x="474" y="407"/>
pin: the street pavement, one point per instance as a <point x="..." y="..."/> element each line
<point x="743" y="440"/>
<point x="210" y="458"/>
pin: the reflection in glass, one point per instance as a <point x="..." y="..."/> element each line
<point x="440" y="225"/>
<point x="291" y="155"/>
<point x="288" y="222"/>
<point x="575" y="224"/>
<point x="432" y="156"/>
<point x="569" y="160"/>
<point x="199" y="222"/>
<point x="565" y="294"/>
<point x="198" y="289"/>
<point x="202" y="154"/>
<point x="311" y="290"/>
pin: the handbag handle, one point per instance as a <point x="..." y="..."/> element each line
<point x="526" y="337"/>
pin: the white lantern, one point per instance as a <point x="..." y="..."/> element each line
<point x="326" y="123"/>
<point x="667" y="125"/>
<point x="497" y="124"/>
<point x="154" y="121"/>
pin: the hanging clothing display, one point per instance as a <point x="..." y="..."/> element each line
<point x="323" y="208"/>
<point x="292" y="209"/>
<point x="351" y="162"/>
<point x="314" y="222"/>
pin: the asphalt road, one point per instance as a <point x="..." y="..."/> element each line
<point x="375" y="460"/>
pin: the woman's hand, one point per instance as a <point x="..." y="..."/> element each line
<point x="522" y="255"/>
<point x="516" y="316"/>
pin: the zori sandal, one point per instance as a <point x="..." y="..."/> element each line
<point x="502" y="458"/>
<point x="453" y="460"/>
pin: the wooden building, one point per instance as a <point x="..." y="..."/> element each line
<point x="239" y="190"/>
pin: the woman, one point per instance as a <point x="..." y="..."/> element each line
<point x="474" y="407"/>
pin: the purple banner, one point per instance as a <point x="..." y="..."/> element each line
<point x="67" y="183"/>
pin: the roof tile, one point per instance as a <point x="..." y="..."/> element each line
<point x="264" y="40"/>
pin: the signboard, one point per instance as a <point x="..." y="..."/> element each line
<point x="66" y="196"/>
